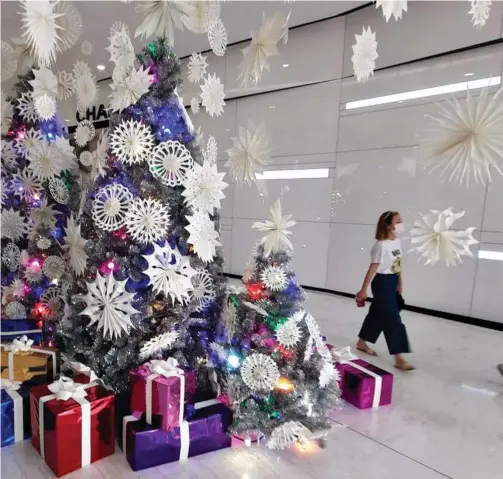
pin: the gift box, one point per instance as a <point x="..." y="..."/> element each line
<point x="148" y="446"/>
<point x="15" y="404"/>
<point x="72" y="423"/>
<point x="12" y="328"/>
<point x="162" y="388"/>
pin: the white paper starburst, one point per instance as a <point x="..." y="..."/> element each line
<point x="121" y="48"/>
<point x="147" y="220"/>
<point x="392" y="7"/>
<point x="86" y="89"/>
<point x="45" y="107"/>
<point x="203" y="293"/>
<point x="170" y="273"/>
<point x="203" y="235"/>
<point x="163" y="342"/>
<point x="161" y="17"/>
<point x="53" y="302"/>
<point x="288" y="334"/>
<point x="7" y="109"/>
<point x="287" y="434"/>
<point x="14" y="225"/>
<point x="44" y="160"/>
<point x="274" y="278"/>
<point x="84" y="133"/>
<point x="118" y="26"/>
<point x="217" y="37"/>
<point x="64" y="85"/>
<point x="204" y="13"/>
<point x="59" y="191"/>
<point x="169" y="162"/>
<point x="54" y="267"/>
<point x="194" y="105"/>
<point x="276" y="239"/>
<point x="130" y="89"/>
<point x="132" y="142"/>
<point x="62" y="148"/>
<point x="9" y="155"/>
<point x="480" y="11"/>
<point x="259" y="372"/>
<point x="364" y="55"/>
<point x="44" y="83"/>
<point x="466" y="138"/>
<point x="26" y="107"/>
<point x="27" y="185"/>
<point x="212" y="95"/>
<point x="15" y="310"/>
<point x="15" y="289"/>
<point x="204" y="187"/>
<point x="33" y="271"/>
<point x="80" y="68"/>
<point x="86" y="48"/>
<point x="434" y="240"/>
<point x="9" y="61"/>
<point x="109" y="305"/>
<point x="44" y="215"/>
<point x="44" y="243"/>
<point x="24" y="53"/>
<point x="249" y="153"/>
<point x="11" y="257"/>
<point x="263" y="45"/>
<point x="100" y="155"/>
<point x="32" y="139"/>
<point x="75" y="246"/>
<point x="70" y="23"/>
<point x="328" y="373"/>
<point x="197" y="67"/>
<point x="110" y="206"/>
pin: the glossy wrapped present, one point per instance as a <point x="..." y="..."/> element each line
<point x="12" y="328"/>
<point x="15" y="408"/>
<point x="148" y="446"/>
<point x="72" y="423"/>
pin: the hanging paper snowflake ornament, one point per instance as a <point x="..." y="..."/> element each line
<point x="288" y="334"/>
<point x="276" y="239"/>
<point x="212" y="95"/>
<point x="84" y="133"/>
<point x="86" y="158"/>
<point x="32" y="139"/>
<point x="14" y="225"/>
<point x="147" y="220"/>
<point x="54" y="267"/>
<point x="52" y="302"/>
<point x="69" y="22"/>
<point x="44" y="243"/>
<point x="249" y="154"/>
<point x="64" y="85"/>
<point x="132" y="142"/>
<point x="84" y="84"/>
<point x="328" y="373"/>
<point x="75" y="246"/>
<point x="170" y="273"/>
<point x="121" y="48"/>
<point x="205" y="12"/>
<point x="11" y="257"/>
<point x="259" y="372"/>
<point x="210" y="153"/>
<point x="15" y="310"/>
<point x="27" y="185"/>
<point x="8" y="61"/>
<point x="62" y="148"/>
<point x="274" y="278"/>
<point x="203" y="236"/>
<point x="194" y="105"/>
<point x="163" y="342"/>
<point x="44" y="83"/>
<point x="433" y="238"/>
<point x="364" y="55"/>
<point x="392" y="7"/>
<point x="118" y="26"/>
<point x="480" y="11"/>
<point x="86" y="48"/>
<point x="197" y="67"/>
<point x="45" y="107"/>
<point x="204" y="187"/>
<point x="110" y="206"/>
<point x="44" y="162"/>
<point x="109" y="305"/>
<point x="288" y="434"/>
<point x="169" y="162"/>
<point x="44" y="215"/>
<point x="59" y="191"/>
<point x="203" y="293"/>
<point x="129" y="89"/>
<point x="217" y="37"/>
<point x="466" y="138"/>
<point x="26" y="107"/>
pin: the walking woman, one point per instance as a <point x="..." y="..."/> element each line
<point x="384" y="275"/>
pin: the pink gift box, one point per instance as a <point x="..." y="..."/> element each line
<point x="365" y="389"/>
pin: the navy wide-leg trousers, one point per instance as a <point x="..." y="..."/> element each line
<point x="384" y="317"/>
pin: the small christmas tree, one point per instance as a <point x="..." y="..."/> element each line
<point x="39" y="192"/>
<point x="279" y="374"/>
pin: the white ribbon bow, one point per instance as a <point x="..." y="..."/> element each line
<point x="343" y="354"/>
<point x="83" y="369"/>
<point x="20" y="344"/>
<point x="166" y="368"/>
<point x="9" y="385"/>
<point x="65" y="388"/>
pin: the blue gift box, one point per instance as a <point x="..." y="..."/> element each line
<point x="15" y="424"/>
<point x="12" y="328"/>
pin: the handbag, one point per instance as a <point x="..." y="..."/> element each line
<point x="400" y="301"/>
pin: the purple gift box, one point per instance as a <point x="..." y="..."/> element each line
<point x="148" y="446"/>
<point x="364" y="385"/>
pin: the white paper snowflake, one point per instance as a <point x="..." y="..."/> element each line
<point x="75" y="246"/>
<point x="276" y="239"/>
<point x="118" y="26"/>
<point x="24" y="53"/>
<point x="9" y="155"/>
<point x="121" y="49"/>
<point x="26" y="107"/>
<point x="433" y="238"/>
<point x="45" y="107"/>
<point x="33" y="271"/>
<point x="14" y="225"/>
<point x="210" y="153"/>
<point x="287" y="434"/>
<point x="392" y="7"/>
<point x="132" y="142"/>
<point x="65" y="151"/>
<point x="53" y="302"/>
<point x="100" y="155"/>
<point x="15" y="289"/>
<point x="59" y="191"/>
<point x="194" y="105"/>
<point x="110" y="206"/>
<point x="27" y="185"/>
<point x="130" y="89"/>
<point x="86" y="89"/>
<point x="86" y="48"/>
<point x="86" y="158"/>
<point x="65" y="85"/>
<point x="11" y="257"/>
<point x="109" y="305"/>
<point x="147" y="220"/>
<point x="170" y="273"/>
<point x="44" y="243"/>
<point x="480" y="11"/>
<point x="161" y="17"/>
<point x="317" y="339"/>
<point x="70" y="23"/>
<point x="263" y="45"/>
<point x="32" y="139"/>
<point x="44" y="162"/>
<point x="15" y="310"/>
<point x="249" y="154"/>
<point x="205" y="12"/>
<point x="81" y="68"/>
<point x="466" y="138"/>
<point x="8" y="61"/>
<point x="44" y="83"/>
<point x="217" y="37"/>
<point x="328" y="373"/>
<point x="259" y="372"/>
<point x="203" y="235"/>
<point x="204" y="187"/>
<point x="364" y="55"/>
<point x="169" y="162"/>
<point x="197" y="67"/>
<point x="274" y="278"/>
<point x="54" y="267"/>
<point x="7" y="110"/>
<point x="84" y="133"/>
<point x="163" y="342"/>
<point x="212" y="95"/>
<point x="203" y="292"/>
<point x="289" y="334"/>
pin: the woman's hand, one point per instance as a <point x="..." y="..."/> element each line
<point x="361" y="295"/>
<point x="399" y="288"/>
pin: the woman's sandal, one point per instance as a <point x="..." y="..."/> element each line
<point x="367" y="350"/>
<point x="405" y="367"/>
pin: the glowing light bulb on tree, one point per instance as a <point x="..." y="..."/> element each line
<point x="284" y="385"/>
<point x="233" y="361"/>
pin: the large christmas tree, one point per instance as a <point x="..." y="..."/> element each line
<point x="153" y="282"/>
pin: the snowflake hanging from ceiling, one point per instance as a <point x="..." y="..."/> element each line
<point x="75" y="246"/>
<point x="32" y="139"/>
<point x="288" y="334"/>
<point x="210" y="153"/>
<point x="212" y="95"/>
<point x="274" y="278"/>
<point x="52" y="301"/>
<point x="204" y="187"/>
<point x="169" y="162"/>
<point x="433" y="238"/>
<point x="9" y="61"/>
<point x="217" y="37"/>
<point x="205" y="12"/>
<point x="54" y="267"/>
<point x="163" y="342"/>
<point x="132" y="142"/>
<point x="130" y="89"/>
<point x="118" y="26"/>
<point x="14" y="225"/>
<point x="80" y="68"/>
<point x="27" y="185"/>
<point x="44" y="83"/>
<point x="170" y="273"/>
<point x="480" y="11"/>
<point x="392" y="7"/>
<point x="86" y="47"/>
<point x="15" y="310"/>
<point x="121" y="48"/>
<point x="45" y="107"/>
<point x="9" y="155"/>
<point x="70" y="23"/>
<point x="203" y="292"/>
<point x="249" y="154"/>
<point x="110" y="206"/>
<point x="44" y="162"/>
<point x="11" y="257"/>
<point x="259" y="372"/>
<point x="65" y="85"/>
<point x="84" y="133"/>
<point x="109" y="305"/>
<point x="26" y="107"/>
<point x="194" y="105"/>
<point x="59" y="191"/>
<point x="364" y="55"/>
<point x="466" y="138"/>
<point x="147" y="220"/>
<point x="84" y="85"/>
<point x="287" y="434"/>
<point x="203" y="235"/>
<point x="197" y="67"/>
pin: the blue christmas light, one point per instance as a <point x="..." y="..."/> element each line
<point x="233" y="361"/>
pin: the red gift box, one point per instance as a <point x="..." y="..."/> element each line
<point x="72" y="423"/>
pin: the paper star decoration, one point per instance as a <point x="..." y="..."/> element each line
<point x="27" y="185"/>
<point x="203" y="235"/>
<point x="69" y="22"/>
<point x="160" y="343"/>
<point x="130" y="89"/>
<point x="466" y="138"/>
<point x="84" y="84"/>
<point x="45" y="107"/>
<point x="210" y="153"/>
<point x="217" y="37"/>
<point x="364" y="55"/>
<point x="15" y="310"/>
<point x="274" y="278"/>
<point x="44" y="215"/>
<point x="147" y="220"/>
<point x="100" y="155"/>
<point x="249" y="154"/>
<point x="480" y="12"/>
<point x="11" y="257"/>
<point x="203" y="292"/>
<point x="205" y="12"/>
<point x="434" y="240"/>
<point x="197" y="67"/>
<point x="65" y="85"/>
<point x="44" y="161"/>
<point x="212" y="95"/>
<point x="110" y="207"/>
<point x="170" y="162"/>
<point x="259" y="372"/>
<point x="121" y="48"/>
<point x="32" y="139"/>
<point x="44" y="83"/>
<point x="109" y="305"/>
<point x="84" y="133"/>
<point x="26" y="107"/>
<point x="75" y="246"/>
<point x="9" y="155"/>
<point x="204" y="187"/>
<point x="392" y="7"/>
<point x="132" y="142"/>
<point x="276" y="239"/>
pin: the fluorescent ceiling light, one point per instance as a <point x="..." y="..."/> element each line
<point x="494" y="255"/>
<point x="293" y="174"/>
<point x="426" y="92"/>
<point x="100" y="67"/>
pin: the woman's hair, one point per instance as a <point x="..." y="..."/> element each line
<point x="382" y="228"/>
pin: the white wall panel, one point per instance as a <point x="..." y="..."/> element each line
<point x="228" y="201"/>
<point x="493" y="214"/>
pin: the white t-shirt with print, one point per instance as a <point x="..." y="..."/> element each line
<point x="388" y="254"/>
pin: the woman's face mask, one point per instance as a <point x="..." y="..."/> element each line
<point x="399" y="229"/>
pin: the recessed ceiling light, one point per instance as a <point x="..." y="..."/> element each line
<point x="100" y="67"/>
<point x="286" y="65"/>
<point x="272" y="106"/>
<point x="469" y="74"/>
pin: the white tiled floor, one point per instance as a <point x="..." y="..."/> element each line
<point x="446" y="419"/>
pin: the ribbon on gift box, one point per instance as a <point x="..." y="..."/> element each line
<point x="345" y="356"/>
<point x="65" y="389"/>
<point x="80" y="368"/>
<point x="24" y="333"/>
<point x="11" y="388"/>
